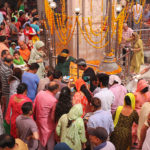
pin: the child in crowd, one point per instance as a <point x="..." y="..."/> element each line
<point x="18" y="60"/>
<point x="21" y="35"/>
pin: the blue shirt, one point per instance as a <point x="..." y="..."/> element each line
<point x="35" y="27"/>
<point x="32" y="81"/>
<point x="103" y="119"/>
<point x="1" y="18"/>
<point x="28" y="22"/>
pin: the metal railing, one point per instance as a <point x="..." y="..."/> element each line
<point x="145" y="36"/>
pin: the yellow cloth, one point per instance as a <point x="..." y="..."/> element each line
<point x="138" y="56"/>
<point x="35" y="38"/>
<point x="64" y="54"/>
<point x="20" y="145"/>
<point x="119" y="109"/>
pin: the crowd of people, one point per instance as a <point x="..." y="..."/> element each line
<point x="42" y="109"/>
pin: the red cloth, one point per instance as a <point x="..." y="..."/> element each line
<point x="22" y="20"/>
<point x="15" y="103"/>
<point x="140" y="99"/>
<point x="29" y="33"/>
<point x="80" y="98"/>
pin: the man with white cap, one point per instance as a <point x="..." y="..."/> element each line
<point x="118" y="90"/>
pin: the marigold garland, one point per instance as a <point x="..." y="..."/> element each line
<point x="65" y="30"/>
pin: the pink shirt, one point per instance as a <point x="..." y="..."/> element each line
<point x="119" y="92"/>
<point x="44" y="109"/>
<point x="126" y="35"/>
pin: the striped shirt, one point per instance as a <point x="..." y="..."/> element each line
<point x="5" y="73"/>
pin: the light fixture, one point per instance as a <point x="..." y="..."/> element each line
<point x="118" y="8"/>
<point x="77" y="11"/>
<point x="53" y="5"/>
<point x="50" y="1"/>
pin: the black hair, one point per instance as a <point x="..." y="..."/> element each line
<point x="127" y="100"/>
<point x="57" y="74"/>
<point x="17" y="72"/>
<point x="21" y="13"/>
<point x="34" y="14"/>
<point x="26" y="108"/>
<point x="96" y="102"/>
<point x="103" y="78"/>
<point x="22" y="87"/>
<point x="27" y="25"/>
<point x="49" y="73"/>
<point x="8" y="59"/>
<point x="115" y="82"/>
<point x="6" y="141"/>
<point x="64" y="103"/>
<point x="65" y="51"/>
<point x="69" y="123"/>
<point x="35" y="19"/>
<point x="13" y="19"/>
<point x="144" y="90"/>
<point x="86" y="93"/>
<point x="17" y="52"/>
<point x="51" y="88"/>
<point x="34" y="66"/>
<point x="16" y="12"/>
<point x="3" y="23"/>
<point x="2" y="38"/>
<point x="1" y="5"/>
<point x="93" y="78"/>
<point x="3" y="52"/>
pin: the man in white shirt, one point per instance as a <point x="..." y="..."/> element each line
<point x="105" y="95"/>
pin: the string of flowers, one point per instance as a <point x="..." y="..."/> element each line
<point x="141" y="15"/>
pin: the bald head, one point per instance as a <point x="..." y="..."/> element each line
<point x="22" y="45"/>
<point x="125" y="27"/>
<point x="53" y="87"/>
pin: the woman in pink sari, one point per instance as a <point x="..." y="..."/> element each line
<point x="14" y="107"/>
<point x="142" y="95"/>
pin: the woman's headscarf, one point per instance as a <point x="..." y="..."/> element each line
<point x="38" y="44"/>
<point x="119" y="109"/>
<point x="79" y="83"/>
<point x="141" y="85"/>
<point x="75" y="113"/>
<point x="62" y="146"/>
<point x="114" y="78"/>
<point x="137" y="37"/>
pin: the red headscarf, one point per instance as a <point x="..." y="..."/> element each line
<point x="141" y="85"/>
<point x="79" y="83"/>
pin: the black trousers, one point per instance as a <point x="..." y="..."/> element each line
<point x="124" y="58"/>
